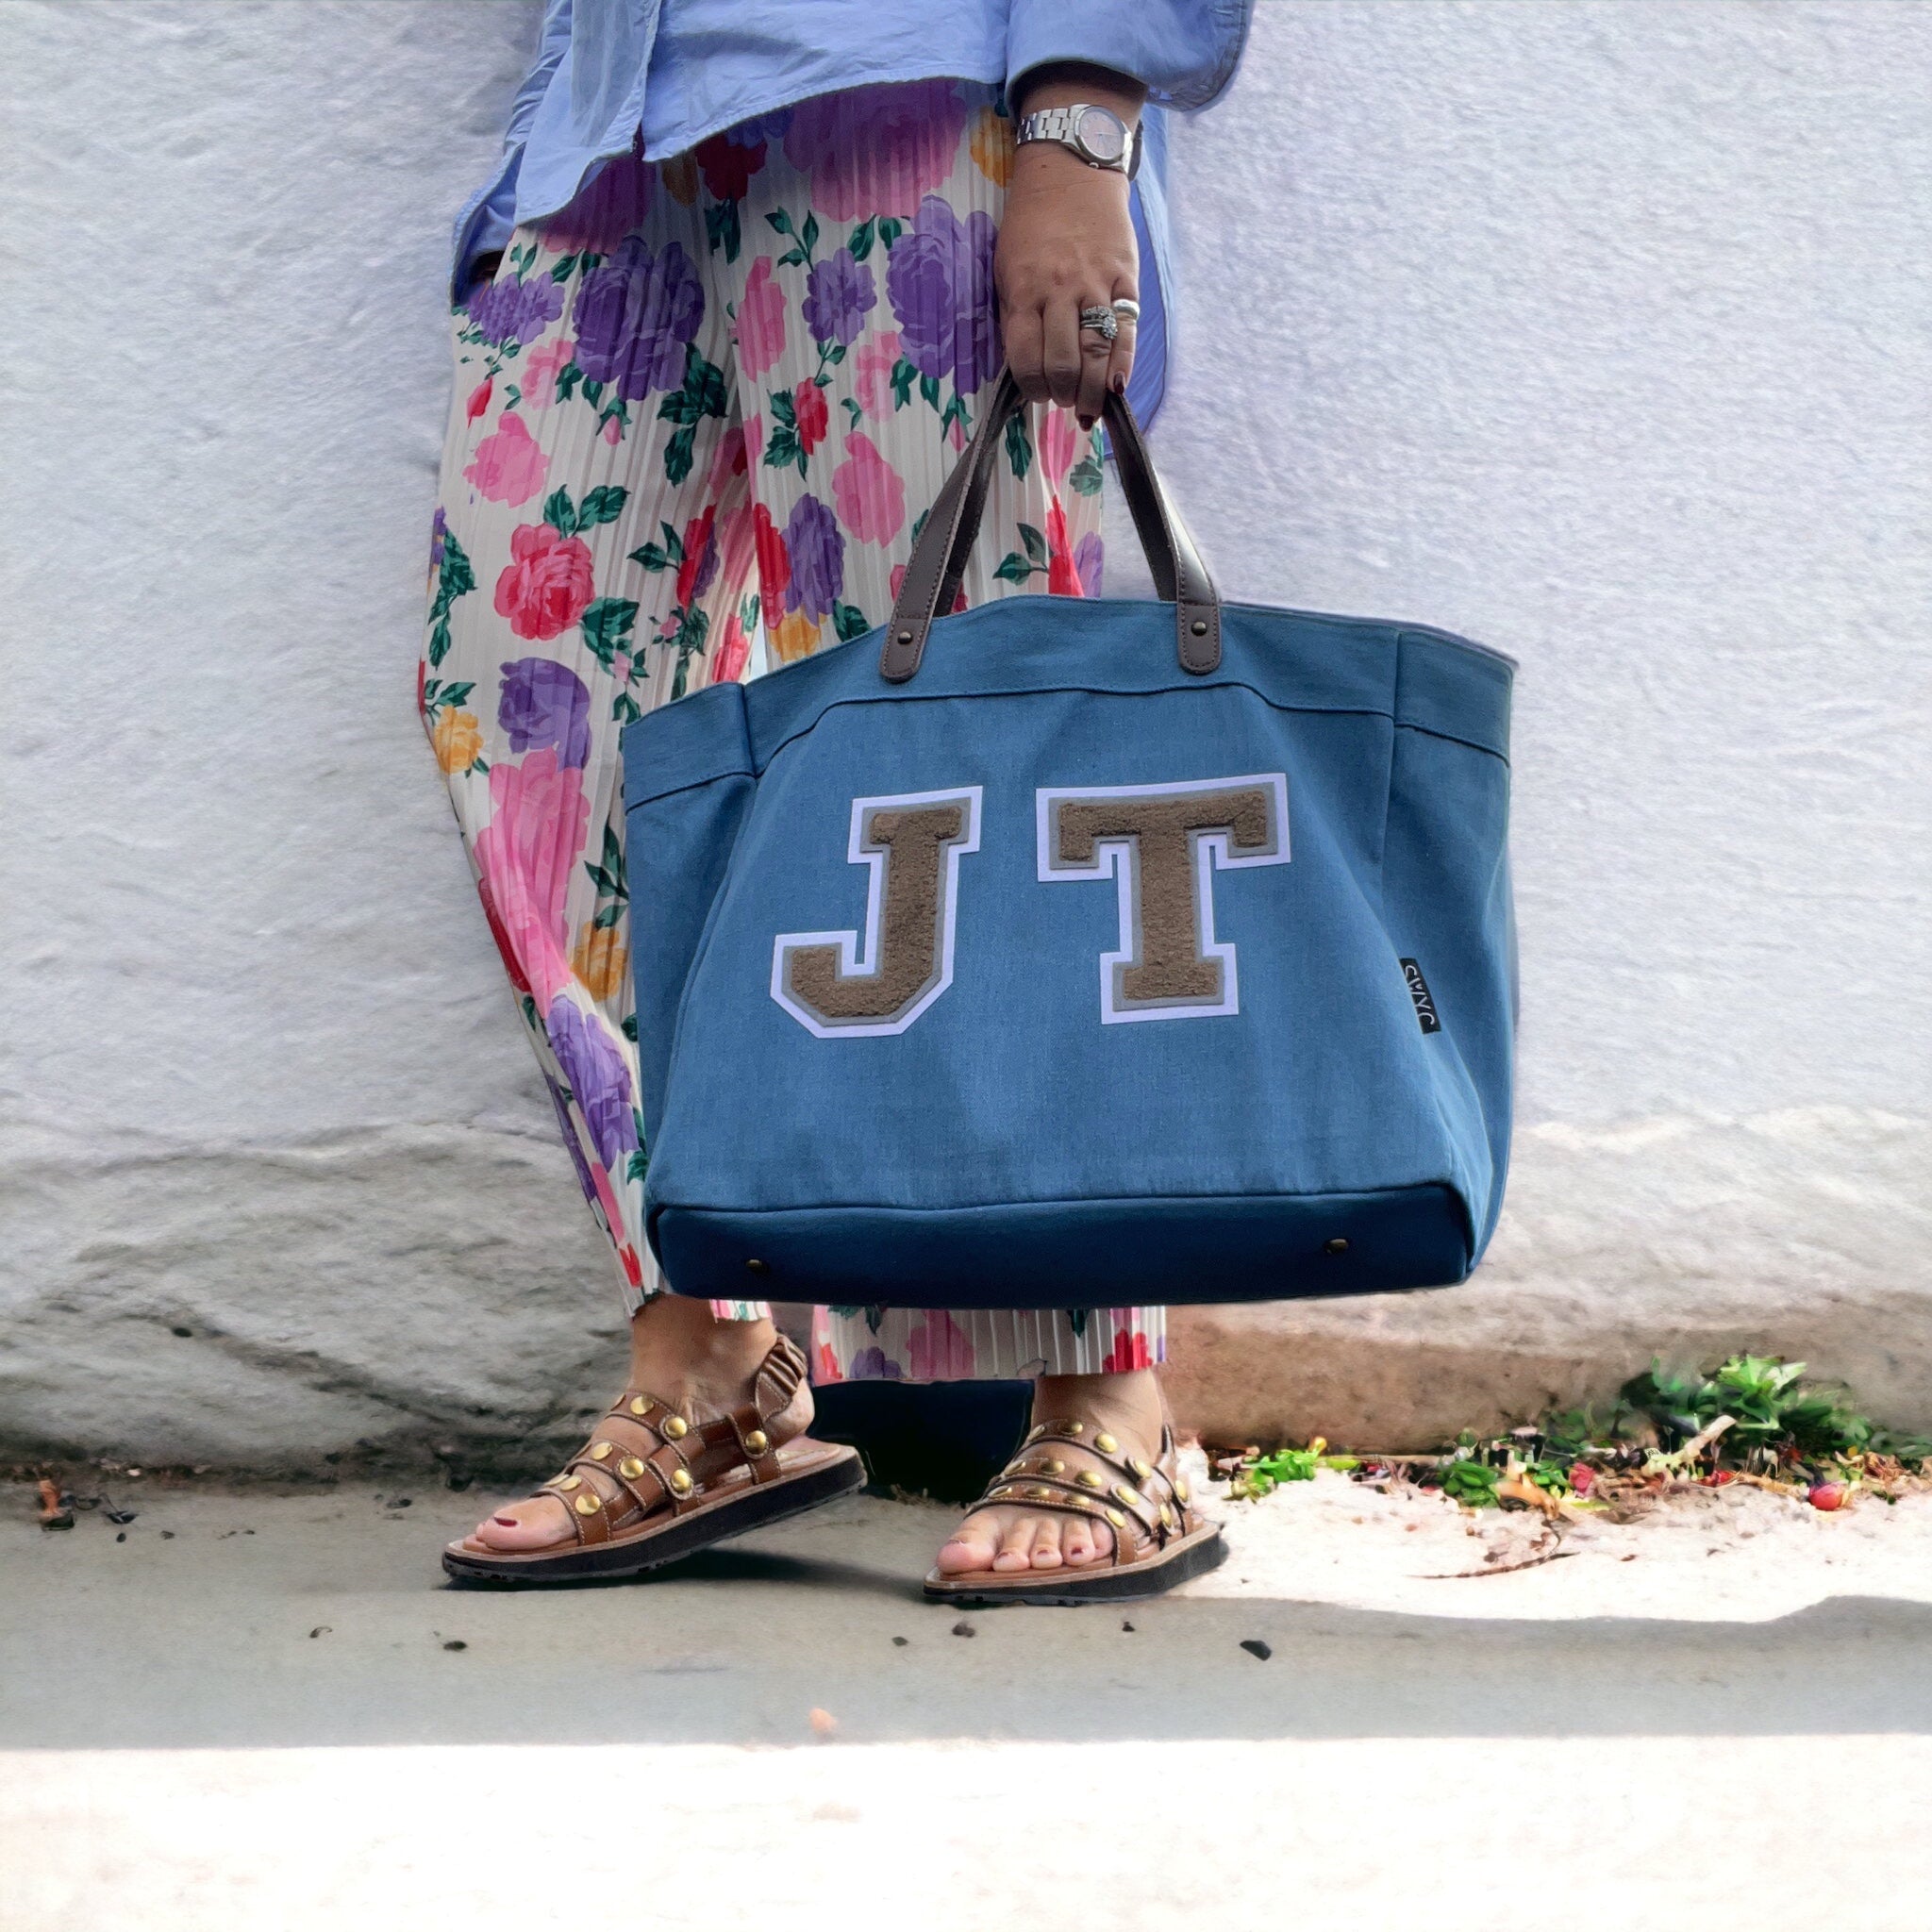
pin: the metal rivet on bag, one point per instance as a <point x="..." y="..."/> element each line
<point x="1199" y="626"/>
<point x="905" y="637"/>
<point x="759" y="1267"/>
<point x="1338" y="1245"/>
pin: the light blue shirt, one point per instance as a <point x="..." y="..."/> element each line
<point x="680" y="71"/>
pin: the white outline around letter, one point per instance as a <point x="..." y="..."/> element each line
<point x="856" y="962"/>
<point x="1115" y="858"/>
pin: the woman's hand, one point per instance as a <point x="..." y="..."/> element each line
<point x="1067" y="243"/>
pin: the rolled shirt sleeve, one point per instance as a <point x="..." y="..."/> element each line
<point x="1184" y="52"/>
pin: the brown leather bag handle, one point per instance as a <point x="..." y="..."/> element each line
<point x="939" y="559"/>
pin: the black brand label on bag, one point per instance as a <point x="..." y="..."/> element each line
<point x="1419" y="993"/>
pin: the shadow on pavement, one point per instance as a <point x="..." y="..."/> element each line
<point x="243" y="1619"/>
<point x="741" y="1648"/>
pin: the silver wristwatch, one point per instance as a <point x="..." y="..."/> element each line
<point x="1096" y="134"/>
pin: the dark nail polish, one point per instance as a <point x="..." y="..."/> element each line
<point x="1119" y="385"/>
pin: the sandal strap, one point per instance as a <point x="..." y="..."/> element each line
<point x="1153" y="1494"/>
<point x="1130" y="1534"/>
<point x="754" y="1441"/>
<point x="592" y="1525"/>
<point x="1096" y="1443"/>
<point x="784" y="1368"/>
<point x="1113" y="1501"/>
<point x="645" y="1482"/>
<point x="1180" y="1493"/>
<point x="634" y="1475"/>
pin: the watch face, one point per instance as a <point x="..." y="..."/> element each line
<point x="1103" y="135"/>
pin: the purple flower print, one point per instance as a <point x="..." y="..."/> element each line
<point x="546" y="704"/>
<point x="598" y="1077"/>
<point x="613" y="202"/>
<point x="875" y="150"/>
<point x="873" y="1365"/>
<point x="634" y="316"/>
<point x="818" y="558"/>
<point x="940" y="280"/>
<point x="585" y="1179"/>
<point x="839" y="294"/>
<point x="706" y="573"/>
<point x="515" y="311"/>
<point x="1089" y="558"/>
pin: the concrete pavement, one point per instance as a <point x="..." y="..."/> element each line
<point x="254" y="1713"/>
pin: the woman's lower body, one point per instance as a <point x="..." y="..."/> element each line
<point x="698" y="417"/>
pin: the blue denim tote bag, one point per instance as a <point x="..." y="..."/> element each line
<point x="1076" y="952"/>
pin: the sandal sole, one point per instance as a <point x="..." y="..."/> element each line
<point x="682" y="1536"/>
<point x="1190" y="1559"/>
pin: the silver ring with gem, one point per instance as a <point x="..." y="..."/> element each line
<point x="1127" y="308"/>
<point x="1102" y="322"/>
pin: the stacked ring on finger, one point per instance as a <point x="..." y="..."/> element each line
<point x="1103" y="322"/>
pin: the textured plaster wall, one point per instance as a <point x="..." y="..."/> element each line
<point x="1598" y="331"/>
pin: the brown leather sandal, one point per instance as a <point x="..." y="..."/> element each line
<point x="1158" y="1539"/>
<point x="637" y="1504"/>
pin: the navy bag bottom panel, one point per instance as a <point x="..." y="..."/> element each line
<point x="1077" y="1254"/>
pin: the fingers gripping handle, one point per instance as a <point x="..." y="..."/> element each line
<point x="939" y="559"/>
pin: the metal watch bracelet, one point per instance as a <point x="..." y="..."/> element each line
<point x="1095" y="134"/>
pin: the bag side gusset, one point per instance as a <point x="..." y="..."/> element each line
<point x="687" y="785"/>
<point x="1447" y="900"/>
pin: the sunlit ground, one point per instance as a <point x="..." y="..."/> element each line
<point x="254" y="1722"/>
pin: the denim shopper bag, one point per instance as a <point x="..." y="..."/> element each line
<point x="1073" y="952"/>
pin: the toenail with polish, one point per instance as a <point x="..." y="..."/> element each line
<point x="507" y="1521"/>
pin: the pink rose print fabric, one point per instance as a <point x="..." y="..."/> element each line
<point x="547" y="584"/>
<point x="697" y="416"/>
<point x="509" y="467"/>
<point x="524" y="857"/>
<point x="760" y="320"/>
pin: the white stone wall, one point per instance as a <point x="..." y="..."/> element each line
<point x="1598" y="331"/>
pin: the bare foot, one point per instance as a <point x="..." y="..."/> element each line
<point x="686" y="1356"/>
<point x="1121" y="1412"/>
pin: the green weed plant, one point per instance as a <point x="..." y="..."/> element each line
<point x="1777" y="1427"/>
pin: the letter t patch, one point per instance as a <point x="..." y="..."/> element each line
<point x="1162" y="845"/>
